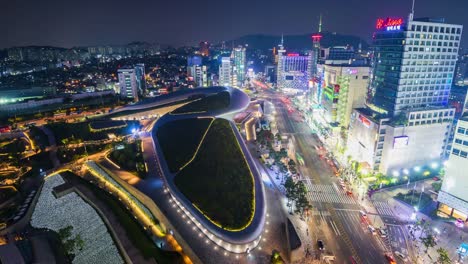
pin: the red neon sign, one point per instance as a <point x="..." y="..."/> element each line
<point x="316" y="37"/>
<point x="392" y="23"/>
<point x="293" y="54"/>
<point x="364" y="121"/>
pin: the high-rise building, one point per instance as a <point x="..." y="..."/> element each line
<point x="239" y="65"/>
<point x="453" y="196"/>
<point x="461" y="70"/>
<point x="408" y="118"/>
<point x="192" y="62"/>
<point x="204" y="48"/>
<point x="293" y="71"/>
<point x="345" y="88"/>
<point x="200" y="75"/>
<point x="414" y="63"/>
<point x="225" y="72"/>
<point x="140" y="78"/>
<point x="339" y="53"/>
<point x="316" y="49"/>
<point x="128" y="84"/>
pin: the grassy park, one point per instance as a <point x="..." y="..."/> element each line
<point x="210" y="103"/>
<point x="218" y="181"/>
<point x="179" y="140"/>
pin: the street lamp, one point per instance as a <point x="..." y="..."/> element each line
<point x="417" y="169"/>
<point x="434" y="165"/>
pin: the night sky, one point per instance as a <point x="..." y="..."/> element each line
<point x="69" y="23"/>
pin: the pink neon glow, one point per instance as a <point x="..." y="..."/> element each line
<point x="293" y="54"/>
<point x="316" y="37"/>
<point x="388" y="22"/>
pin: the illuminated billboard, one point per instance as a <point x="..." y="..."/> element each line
<point x="364" y="121"/>
<point x="389" y="24"/>
<point x="400" y="142"/>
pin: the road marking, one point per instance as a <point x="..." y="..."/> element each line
<point x="334" y="228"/>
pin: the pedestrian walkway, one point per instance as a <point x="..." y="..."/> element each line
<point x="327" y="194"/>
<point x="383" y="208"/>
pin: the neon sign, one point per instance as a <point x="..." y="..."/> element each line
<point x="316" y="37"/>
<point x="390" y="24"/>
<point x="293" y="54"/>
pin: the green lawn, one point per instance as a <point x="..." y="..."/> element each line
<point x="213" y="102"/>
<point x="218" y="181"/>
<point x="179" y="140"/>
<point x="130" y="158"/>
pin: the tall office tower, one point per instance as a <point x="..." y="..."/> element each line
<point x="345" y="88"/>
<point x="238" y="59"/>
<point x="225" y="72"/>
<point x="461" y="70"/>
<point x="453" y="196"/>
<point x="279" y="51"/>
<point x="293" y="72"/>
<point x="140" y="78"/>
<point x="409" y="117"/>
<point x="200" y="75"/>
<point x="316" y="48"/>
<point x="128" y="84"/>
<point x="204" y="48"/>
<point x="192" y="62"/>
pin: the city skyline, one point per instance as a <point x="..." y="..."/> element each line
<point x="96" y="23"/>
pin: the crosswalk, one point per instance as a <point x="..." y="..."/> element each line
<point x="383" y="208"/>
<point x="327" y="194"/>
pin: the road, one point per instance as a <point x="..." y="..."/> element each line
<point x="335" y="216"/>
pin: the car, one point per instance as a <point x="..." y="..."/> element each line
<point x="363" y="214"/>
<point x="320" y="245"/>
<point x="372" y="230"/>
<point x="400" y="255"/>
<point x="390" y="258"/>
<point x="382" y="232"/>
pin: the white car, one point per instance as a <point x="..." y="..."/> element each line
<point x="372" y="230"/>
<point x="400" y="255"/>
<point x="382" y="232"/>
<point x="363" y="214"/>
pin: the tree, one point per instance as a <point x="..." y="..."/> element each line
<point x="70" y="245"/>
<point x="428" y="241"/>
<point x="437" y="186"/>
<point x="302" y="203"/>
<point x="276" y="257"/>
<point x="444" y="257"/>
<point x="290" y="188"/>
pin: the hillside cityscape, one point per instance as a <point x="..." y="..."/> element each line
<point x="318" y="147"/>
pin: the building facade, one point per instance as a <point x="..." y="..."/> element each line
<point x="345" y="88"/>
<point x="140" y="78"/>
<point x="128" y="84"/>
<point x="384" y="145"/>
<point x="225" y="72"/>
<point x="413" y="69"/>
<point x="293" y="72"/>
<point x="453" y="196"/>
<point x="239" y="64"/>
